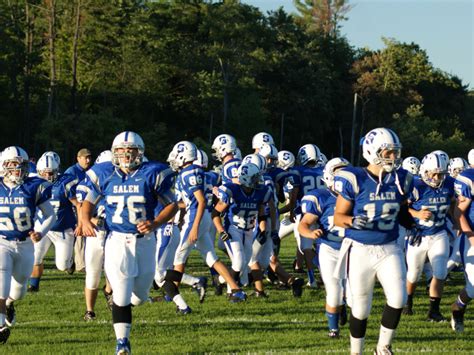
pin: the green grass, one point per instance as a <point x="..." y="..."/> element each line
<point x="51" y="322"/>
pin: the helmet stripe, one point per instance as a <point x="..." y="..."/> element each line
<point x="394" y="137"/>
<point x="18" y="151"/>
<point x="126" y="136"/>
<point x="47" y="162"/>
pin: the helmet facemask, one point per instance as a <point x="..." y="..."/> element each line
<point x="15" y="170"/>
<point x="130" y="156"/>
<point x="428" y="178"/>
<point x="50" y="175"/>
<point x="389" y="164"/>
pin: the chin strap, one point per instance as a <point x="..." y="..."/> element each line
<point x="397" y="182"/>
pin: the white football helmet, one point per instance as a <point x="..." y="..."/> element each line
<point x="323" y="159"/>
<point x="127" y="160"/>
<point x="257" y="160"/>
<point x="238" y="153"/>
<point x="308" y="153"/>
<point x="183" y="152"/>
<point x="15" y="164"/>
<point x="270" y="153"/>
<point x="457" y="166"/>
<point x="412" y="165"/>
<point x="470" y="157"/>
<point x="53" y="155"/>
<point x="378" y="140"/>
<point x="249" y="175"/>
<point x="106" y="155"/>
<point x="260" y="138"/>
<point x="223" y="145"/>
<point x="286" y="159"/>
<point x="330" y="170"/>
<point x="442" y="154"/>
<point x="433" y="164"/>
<point x="201" y="159"/>
<point x="48" y="168"/>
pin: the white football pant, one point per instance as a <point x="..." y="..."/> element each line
<point x="63" y="248"/>
<point x="328" y="258"/>
<point x="94" y="258"/>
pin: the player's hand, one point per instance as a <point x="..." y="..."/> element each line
<point x="292" y="217"/>
<point x="78" y="230"/>
<point x="470" y="237"/>
<point x="215" y="191"/>
<point x="317" y="233"/>
<point x="225" y="236"/>
<point x="145" y="227"/>
<point x="88" y="229"/>
<point x="261" y="237"/>
<point x="414" y="237"/>
<point x="359" y="222"/>
<point x="35" y="236"/>
<point x="424" y="215"/>
<point x="193" y="235"/>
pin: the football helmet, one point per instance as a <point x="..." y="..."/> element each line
<point x="323" y="159"/>
<point x="377" y="141"/>
<point x="470" y="157"/>
<point x="224" y="144"/>
<point x="442" y="154"/>
<point x="48" y="168"/>
<point x="260" y="138"/>
<point x="15" y="163"/>
<point x="457" y="166"/>
<point x="308" y="153"/>
<point x="238" y="153"/>
<point x="433" y="164"/>
<point x="412" y="165"/>
<point x="249" y="175"/>
<point x="257" y="160"/>
<point x="286" y="159"/>
<point x="183" y="152"/>
<point x="127" y="160"/>
<point x="106" y="155"/>
<point x="201" y="159"/>
<point x="270" y="153"/>
<point x="53" y="155"/>
<point x="330" y="170"/>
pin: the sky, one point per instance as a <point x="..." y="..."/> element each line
<point x="444" y="29"/>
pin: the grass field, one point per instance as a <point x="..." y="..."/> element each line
<point x="51" y="322"/>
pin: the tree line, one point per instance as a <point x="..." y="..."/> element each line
<point x="74" y="73"/>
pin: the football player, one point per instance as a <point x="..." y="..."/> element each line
<point x="457" y="166"/>
<point x="412" y="165"/>
<point x="318" y="208"/>
<point x="430" y="201"/>
<point x="464" y="217"/>
<point x="368" y="206"/>
<point x="131" y="190"/>
<point x="225" y="149"/>
<point x="20" y="197"/>
<point x="61" y="234"/>
<point x="261" y="138"/>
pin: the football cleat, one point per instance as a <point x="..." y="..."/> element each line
<point x="333" y="333"/>
<point x="297" y="287"/>
<point x="219" y="288"/>
<point x="313" y="285"/>
<point x="436" y="317"/>
<point x="108" y="299"/>
<point x="457" y="323"/>
<point x="200" y="288"/>
<point x="238" y="296"/>
<point x="260" y="294"/>
<point x="187" y="310"/>
<point x="155" y="286"/>
<point x="11" y="315"/>
<point x="272" y="277"/>
<point x="71" y="269"/>
<point x="383" y="350"/>
<point x="407" y="310"/>
<point x="4" y="334"/>
<point x="123" y="347"/>
<point x="89" y="316"/>
<point x="32" y="288"/>
<point x="343" y="315"/>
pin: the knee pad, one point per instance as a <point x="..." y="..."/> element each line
<point x="440" y="269"/>
<point x="173" y="276"/>
<point x="391" y="317"/>
<point x="357" y="327"/>
<point x="257" y="275"/>
<point x="121" y="314"/>
<point x="136" y="301"/>
<point x="235" y="275"/>
<point x="211" y="258"/>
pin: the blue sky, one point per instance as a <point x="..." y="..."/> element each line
<point x="445" y="29"/>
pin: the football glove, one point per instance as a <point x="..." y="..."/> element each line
<point x="276" y="242"/>
<point x="414" y="237"/>
<point x="261" y="237"/>
<point x="359" y="222"/>
<point x="225" y="236"/>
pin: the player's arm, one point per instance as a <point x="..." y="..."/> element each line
<point x="343" y="213"/>
<point x="273" y="215"/>
<point x="462" y="206"/>
<point x="201" y="200"/>
<point x="216" y="215"/>
<point x="86" y="226"/>
<point x="166" y="214"/>
<point x="304" y="228"/>
<point x="262" y="222"/>
<point x="49" y="219"/>
<point x="423" y="215"/>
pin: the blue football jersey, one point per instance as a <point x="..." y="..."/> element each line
<point x="359" y="186"/>
<point x="307" y="179"/>
<point x="437" y="201"/>
<point x="211" y="180"/>
<point x="77" y="171"/>
<point x="321" y="203"/>
<point x="229" y="170"/>
<point x="131" y="198"/>
<point x="62" y="190"/>
<point x="243" y="208"/>
<point x="464" y="186"/>
<point x="191" y="179"/>
<point x="18" y="206"/>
